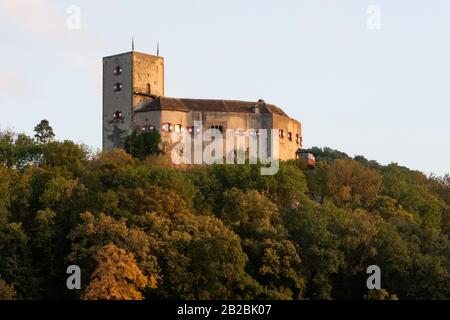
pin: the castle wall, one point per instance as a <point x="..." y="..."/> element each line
<point x="139" y="76"/>
<point x="150" y="118"/>
<point x="148" y="77"/>
<point x="234" y="121"/>
<point x="115" y="131"/>
<point x="157" y="117"/>
<point x="287" y="147"/>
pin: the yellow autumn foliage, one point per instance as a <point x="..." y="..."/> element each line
<point x="117" y="276"/>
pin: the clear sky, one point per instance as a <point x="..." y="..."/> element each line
<point x="382" y="93"/>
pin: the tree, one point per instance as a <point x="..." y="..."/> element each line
<point x="387" y="208"/>
<point x="97" y="230"/>
<point x="277" y="265"/>
<point x="199" y="257"/>
<point x="288" y="188"/>
<point x="411" y="190"/>
<point x="7" y="292"/>
<point x="18" y="150"/>
<point x="141" y="145"/>
<point x="216" y="262"/>
<point x="5" y="193"/>
<point x="15" y="267"/>
<point x="7" y="148"/>
<point x="66" y="154"/>
<point x="251" y="215"/>
<point x="117" y="276"/>
<point x="44" y="132"/>
<point x="322" y="258"/>
<point x="216" y="232"/>
<point x="440" y="186"/>
<point x="327" y="154"/>
<point x="351" y="184"/>
<point x="107" y="165"/>
<point x="381" y="294"/>
<point x="44" y="250"/>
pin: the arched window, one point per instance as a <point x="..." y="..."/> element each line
<point x="118" y="87"/>
<point x="117" y="116"/>
<point x="166" y="127"/>
<point x="220" y="128"/>
<point x="193" y="130"/>
<point x="117" y="70"/>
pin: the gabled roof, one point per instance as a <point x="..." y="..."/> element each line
<point x="176" y="104"/>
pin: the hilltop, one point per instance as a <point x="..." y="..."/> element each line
<point x="216" y="232"/>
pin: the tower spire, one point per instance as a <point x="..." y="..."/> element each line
<point x="132" y="43"/>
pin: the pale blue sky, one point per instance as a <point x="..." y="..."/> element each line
<point x="384" y="94"/>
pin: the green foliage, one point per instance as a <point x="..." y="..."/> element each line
<point x="141" y="145"/>
<point x="327" y="154"/>
<point x="277" y="265"/>
<point x="44" y="132"/>
<point x="14" y="251"/>
<point x="350" y="184"/>
<point x="250" y="214"/>
<point x="215" y="232"/>
<point x="410" y="189"/>
<point x="6" y="292"/>
<point x="380" y="295"/>
<point x="319" y="247"/>
<point x="18" y="150"/>
<point x="64" y="154"/>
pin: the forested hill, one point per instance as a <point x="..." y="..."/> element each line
<point x="140" y="228"/>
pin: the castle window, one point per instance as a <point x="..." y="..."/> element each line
<point x="298" y="139"/>
<point x="178" y="128"/>
<point x="117" y="70"/>
<point x="148" y="128"/>
<point x="220" y="128"/>
<point x="118" y="116"/>
<point x="281" y="133"/>
<point x="118" y="87"/>
<point x="290" y="136"/>
<point x="193" y="130"/>
<point x="255" y="109"/>
<point x="149" y="89"/>
<point x="166" y="127"/>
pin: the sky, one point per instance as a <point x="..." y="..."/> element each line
<point x="368" y="78"/>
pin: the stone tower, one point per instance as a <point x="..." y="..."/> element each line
<point x="129" y="80"/>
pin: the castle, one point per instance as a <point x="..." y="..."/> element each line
<point x="133" y="99"/>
